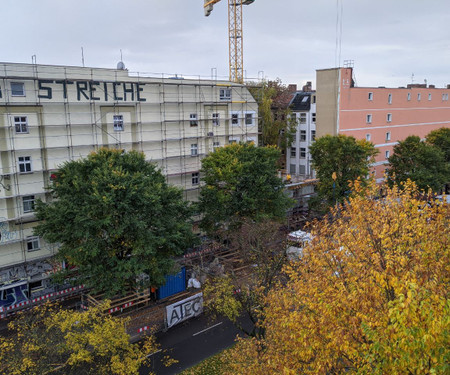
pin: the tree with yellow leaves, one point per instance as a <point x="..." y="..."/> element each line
<point x="50" y="340"/>
<point x="369" y="296"/>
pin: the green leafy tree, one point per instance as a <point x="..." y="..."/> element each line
<point x="420" y="162"/>
<point x="440" y="138"/>
<point x="240" y="182"/>
<point x="51" y="340"/>
<point x="116" y="220"/>
<point x="338" y="161"/>
<point x="275" y="122"/>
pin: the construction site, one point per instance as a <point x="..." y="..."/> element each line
<point x="53" y="114"/>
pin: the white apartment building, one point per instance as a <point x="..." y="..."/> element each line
<point x="298" y="159"/>
<point x="52" y="114"/>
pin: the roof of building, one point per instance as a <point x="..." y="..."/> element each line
<point x="301" y="101"/>
<point x="283" y="100"/>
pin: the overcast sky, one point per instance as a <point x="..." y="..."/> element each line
<point x="389" y="40"/>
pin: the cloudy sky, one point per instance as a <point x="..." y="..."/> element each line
<point x="388" y="40"/>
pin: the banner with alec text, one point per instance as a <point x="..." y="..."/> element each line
<point x="184" y="309"/>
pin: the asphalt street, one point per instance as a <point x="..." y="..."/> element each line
<point x="190" y="343"/>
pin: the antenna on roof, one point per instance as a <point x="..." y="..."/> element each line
<point x="349" y="63"/>
<point x="82" y="56"/>
<point x="412" y="77"/>
<point x="120" y="64"/>
<point x="33" y="59"/>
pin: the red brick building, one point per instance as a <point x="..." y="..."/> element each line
<point x="381" y="115"/>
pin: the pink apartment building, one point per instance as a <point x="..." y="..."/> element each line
<point x="381" y="115"/>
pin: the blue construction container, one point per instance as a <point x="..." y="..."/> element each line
<point x="174" y="284"/>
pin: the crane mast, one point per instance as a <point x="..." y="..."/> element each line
<point x="235" y="36"/>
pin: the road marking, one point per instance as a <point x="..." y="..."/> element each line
<point x="215" y="325"/>
<point x="154" y="353"/>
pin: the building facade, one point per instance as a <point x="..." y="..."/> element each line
<point x="298" y="158"/>
<point x="383" y="116"/>
<point x="52" y="114"/>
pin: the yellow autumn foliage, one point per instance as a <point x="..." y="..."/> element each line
<point x="369" y="296"/>
<point x="51" y="340"/>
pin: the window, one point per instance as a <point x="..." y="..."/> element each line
<point x="444" y="96"/>
<point x="28" y="203"/>
<point x="293" y="152"/>
<point x="368" y="137"/>
<point x="313" y="117"/>
<point x="225" y="94"/>
<point x="370" y="97"/>
<point x="313" y="135"/>
<point x="194" y="149"/>
<point x="33" y="243"/>
<point x="302" y="135"/>
<point x="302" y="169"/>
<point x="195" y="178"/>
<point x="292" y="169"/>
<point x="215" y="119"/>
<point x="193" y="119"/>
<point x="17" y="89"/>
<point x="249" y="119"/>
<point x="418" y="96"/>
<point x="389" y="117"/>
<point x="302" y="118"/>
<point x="302" y="152"/>
<point x="369" y="119"/>
<point x="24" y="164"/>
<point x="235" y="119"/>
<point x="216" y="145"/>
<point x="388" y="136"/>
<point x="21" y="124"/>
<point x="231" y="141"/>
<point x="409" y="96"/>
<point x="390" y="99"/>
<point x="429" y="96"/>
<point x="387" y="154"/>
<point x="118" y="123"/>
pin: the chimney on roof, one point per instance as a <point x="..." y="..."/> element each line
<point x="307" y="87"/>
<point x="431" y="86"/>
<point x="292" y="88"/>
<point x="417" y="85"/>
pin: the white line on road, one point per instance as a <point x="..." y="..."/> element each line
<point x="153" y="353"/>
<point x="215" y="325"/>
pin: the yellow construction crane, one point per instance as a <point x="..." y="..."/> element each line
<point x="235" y="43"/>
